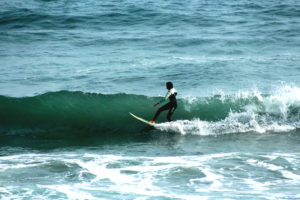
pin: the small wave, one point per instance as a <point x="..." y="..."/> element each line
<point x="67" y="114"/>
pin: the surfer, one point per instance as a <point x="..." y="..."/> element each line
<point x="171" y="106"/>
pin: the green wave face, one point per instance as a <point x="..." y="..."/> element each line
<point x="66" y="109"/>
<point x="68" y="115"/>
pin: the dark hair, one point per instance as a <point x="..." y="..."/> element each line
<point x="169" y="85"/>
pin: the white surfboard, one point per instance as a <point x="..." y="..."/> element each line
<point x="141" y="119"/>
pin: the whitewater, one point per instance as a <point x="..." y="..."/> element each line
<point x="72" y="70"/>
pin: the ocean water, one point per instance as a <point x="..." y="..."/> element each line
<point x="71" y="71"/>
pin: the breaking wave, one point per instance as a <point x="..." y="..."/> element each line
<point x="67" y="115"/>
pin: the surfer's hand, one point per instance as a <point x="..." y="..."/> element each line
<point x="155" y="104"/>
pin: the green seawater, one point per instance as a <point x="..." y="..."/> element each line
<point x="72" y="70"/>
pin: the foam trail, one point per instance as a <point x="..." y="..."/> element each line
<point x="227" y="126"/>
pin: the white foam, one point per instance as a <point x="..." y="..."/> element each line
<point x="148" y="171"/>
<point x="257" y="186"/>
<point x="292" y="176"/>
<point x="267" y="113"/>
<point x="268" y="166"/>
<point x="278" y="101"/>
<point x="71" y="191"/>
<point x="84" y="71"/>
<point x="234" y="123"/>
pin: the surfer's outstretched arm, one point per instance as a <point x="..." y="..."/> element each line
<point x="164" y="99"/>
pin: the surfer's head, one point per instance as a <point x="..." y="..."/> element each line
<point x="169" y="85"/>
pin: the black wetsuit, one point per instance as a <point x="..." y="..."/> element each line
<point x="171" y="106"/>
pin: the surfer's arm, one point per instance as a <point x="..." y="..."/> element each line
<point x="166" y="97"/>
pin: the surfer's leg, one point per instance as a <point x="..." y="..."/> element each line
<point x="165" y="107"/>
<point x="171" y="111"/>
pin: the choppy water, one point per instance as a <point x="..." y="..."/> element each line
<point x="70" y="71"/>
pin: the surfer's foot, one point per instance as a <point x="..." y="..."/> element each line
<point x="152" y="121"/>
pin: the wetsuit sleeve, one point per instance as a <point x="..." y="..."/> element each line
<point x="166" y="97"/>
